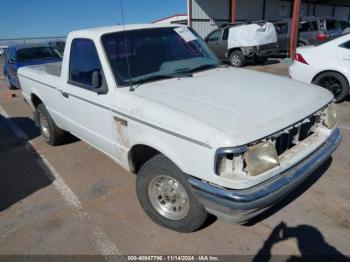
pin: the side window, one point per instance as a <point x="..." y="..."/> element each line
<point x="281" y="28"/>
<point x="308" y="26"/>
<point x="84" y="61"/>
<point x="346" y="45"/>
<point x="225" y="34"/>
<point x="8" y="54"/>
<point x="215" y="36"/>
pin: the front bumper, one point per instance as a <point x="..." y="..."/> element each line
<point x="239" y="206"/>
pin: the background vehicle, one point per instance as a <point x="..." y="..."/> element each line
<point x="59" y="45"/>
<point x="326" y="65"/>
<point x="312" y="30"/>
<point x="236" y="43"/>
<point x="200" y="137"/>
<point x="25" y="55"/>
<point x="2" y="51"/>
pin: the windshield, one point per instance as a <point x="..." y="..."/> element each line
<point x="37" y="53"/>
<point x="148" y="54"/>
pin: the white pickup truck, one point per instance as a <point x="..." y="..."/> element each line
<point x="202" y="138"/>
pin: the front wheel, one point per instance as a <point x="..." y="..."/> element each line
<point x="334" y="82"/>
<point x="166" y="196"/>
<point x="237" y="59"/>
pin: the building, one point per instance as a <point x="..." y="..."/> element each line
<point x="206" y="15"/>
<point x="175" y="19"/>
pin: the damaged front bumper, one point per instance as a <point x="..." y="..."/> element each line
<point x="239" y="206"/>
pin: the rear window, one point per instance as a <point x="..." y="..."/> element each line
<point x="37" y="53"/>
<point x="331" y="25"/>
<point x="308" y="26"/>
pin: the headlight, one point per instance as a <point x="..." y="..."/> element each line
<point x="330" y="118"/>
<point x="261" y="158"/>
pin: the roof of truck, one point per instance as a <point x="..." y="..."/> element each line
<point x="119" y="28"/>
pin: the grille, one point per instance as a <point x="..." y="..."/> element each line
<point x="293" y="136"/>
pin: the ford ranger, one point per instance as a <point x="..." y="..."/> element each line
<point x="202" y="138"/>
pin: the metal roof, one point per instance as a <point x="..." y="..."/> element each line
<point x="328" y="2"/>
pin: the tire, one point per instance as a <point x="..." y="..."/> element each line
<point x="51" y="133"/>
<point x="237" y="59"/>
<point x="160" y="173"/>
<point x="335" y="83"/>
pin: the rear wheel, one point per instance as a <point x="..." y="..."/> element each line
<point x="237" y="59"/>
<point x="335" y="83"/>
<point x="166" y="196"/>
<point x="51" y="133"/>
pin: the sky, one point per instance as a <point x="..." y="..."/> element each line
<point x="47" y="18"/>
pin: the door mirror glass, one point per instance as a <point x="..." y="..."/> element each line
<point x="96" y="83"/>
<point x="96" y="80"/>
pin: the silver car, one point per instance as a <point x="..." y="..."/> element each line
<point x="312" y="30"/>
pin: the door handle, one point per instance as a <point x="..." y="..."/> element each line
<point x="65" y="95"/>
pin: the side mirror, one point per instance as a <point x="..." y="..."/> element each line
<point x="96" y="83"/>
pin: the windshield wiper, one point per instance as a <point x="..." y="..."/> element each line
<point x="203" y="67"/>
<point x="158" y="77"/>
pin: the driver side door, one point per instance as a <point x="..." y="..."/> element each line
<point x="87" y="112"/>
<point x="215" y="44"/>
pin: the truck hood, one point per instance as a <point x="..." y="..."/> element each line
<point x="242" y="104"/>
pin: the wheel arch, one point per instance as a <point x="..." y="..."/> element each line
<point x="140" y="153"/>
<point x="232" y="50"/>
<point x="35" y="100"/>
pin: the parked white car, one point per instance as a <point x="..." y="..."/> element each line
<point x="326" y="65"/>
<point x="202" y="138"/>
<point x="2" y="52"/>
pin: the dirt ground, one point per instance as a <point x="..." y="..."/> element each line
<point x="73" y="200"/>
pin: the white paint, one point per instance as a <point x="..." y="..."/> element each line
<point x="102" y="243"/>
<point x="60" y="185"/>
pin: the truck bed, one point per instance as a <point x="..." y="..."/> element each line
<point x="43" y="81"/>
<point x="53" y="69"/>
